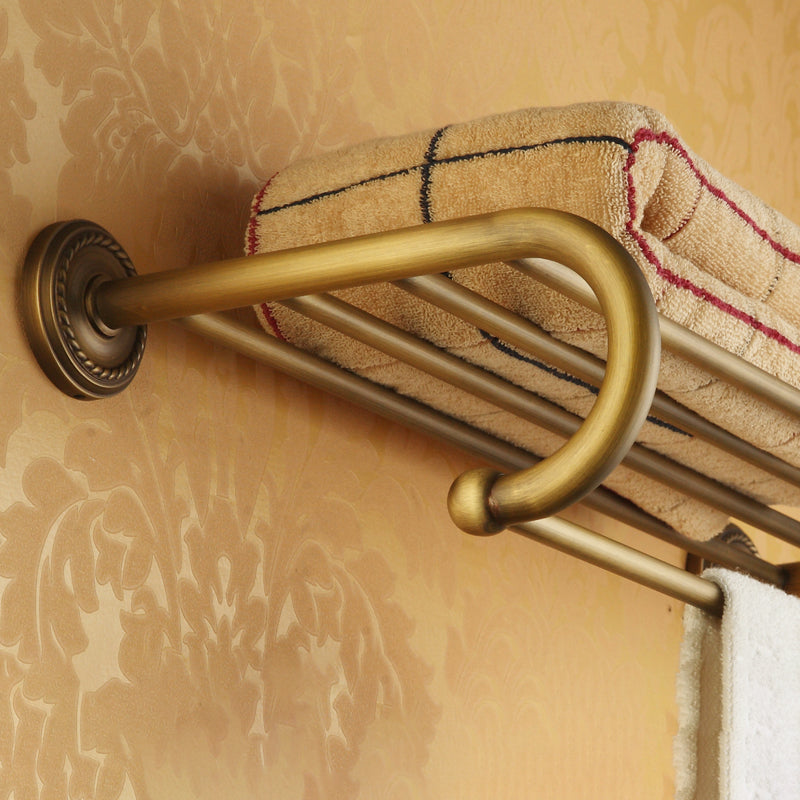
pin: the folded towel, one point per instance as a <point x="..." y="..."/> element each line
<point x="739" y="696"/>
<point x="718" y="260"/>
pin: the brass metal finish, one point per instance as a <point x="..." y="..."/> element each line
<point x="385" y="256"/>
<point x="627" y="562"/>
<point x="467" y="502"/>
<point x="674" y="337"/>
<point x="792" y="585"/>
<point x="80" y="354"/>
<point x="468" y="499"/>
<point x="624" y="398"/>
<point x="526" y="336"/>
<point x="526" y="405"/>
<point x="323" y="375"/>
<point x="735" y="538"/>
<point x="85" y="309"/>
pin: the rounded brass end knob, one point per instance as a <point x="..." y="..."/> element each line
<point x="468" y="502"/>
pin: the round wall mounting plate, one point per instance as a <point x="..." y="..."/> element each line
<point x="79" y="353"/>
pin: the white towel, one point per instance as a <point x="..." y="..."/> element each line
<point x="739" y="696"/>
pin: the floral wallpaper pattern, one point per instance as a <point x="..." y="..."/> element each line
<point x="222" y="583"/>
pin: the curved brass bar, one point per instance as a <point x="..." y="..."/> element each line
<point x="479" y="503"/>
<point x="335" y="313"/>
<point x="302" y="365"/>
<point x="483" y="502"/>
<point x="523" y="334"/>
<point x="385" y="256"/>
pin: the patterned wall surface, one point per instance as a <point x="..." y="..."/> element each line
<point x="223" y="583"/>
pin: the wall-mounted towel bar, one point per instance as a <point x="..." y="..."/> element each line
<point x="552" y="531"/>
<point x="79" y="297"/>
<point x="85" y="311"/>
<point x="310" y="369"/>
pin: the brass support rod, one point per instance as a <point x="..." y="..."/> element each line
<point x="625" y="561"/>
<point x="523" y="334"/>
<point x="679" y="340"/>
<point x="323" y="375"/>
<point x="384" y="256"/>
<point x="421" y="354"/>
<point x="481" y="503"/>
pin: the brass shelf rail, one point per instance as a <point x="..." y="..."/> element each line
<point x="554" y="532"/>
<point x="679" y="340"/>
<point x="85" y="312"/>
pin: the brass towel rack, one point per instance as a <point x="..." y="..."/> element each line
<point x="85" y="311"/>
<point x="80" y="298"/>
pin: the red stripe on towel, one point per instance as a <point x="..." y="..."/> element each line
<point x="252" y="240"/>
<point x="646" y="135"/>
<point x="273" y="323"/>
<point x="252" y="246"/>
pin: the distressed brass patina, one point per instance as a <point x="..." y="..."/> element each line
<point x="81" y="355"/>
<point x="79" y="324"/>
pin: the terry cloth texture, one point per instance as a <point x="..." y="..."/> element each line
<point x="739" y="696"/>
<point x="718" y="261"/>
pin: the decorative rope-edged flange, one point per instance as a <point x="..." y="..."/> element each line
<point x="79" y="353"/>
<point x="733" y="536"/>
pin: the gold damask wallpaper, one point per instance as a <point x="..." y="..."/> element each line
<point x="224" y="584"/>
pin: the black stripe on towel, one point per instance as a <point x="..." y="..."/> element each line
<point x="425" y="170"/>
<point x="564" y="376"/>
<point x="524" y="148"/>
<point x="427" y="217"/>
<point x="425" y="176"/>
<point x="428" y="164"/>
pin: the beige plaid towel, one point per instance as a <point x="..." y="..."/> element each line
<point x="718" y="260"/>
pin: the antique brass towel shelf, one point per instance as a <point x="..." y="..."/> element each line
<point x="85" y="313"/>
